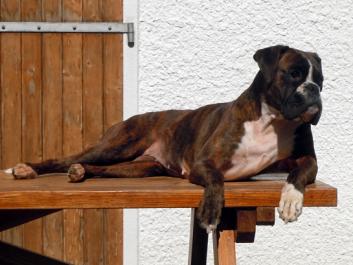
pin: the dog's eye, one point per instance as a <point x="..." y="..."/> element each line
<point x="295" y="74"/>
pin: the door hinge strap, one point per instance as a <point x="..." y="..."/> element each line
<point x="71" y="27"/>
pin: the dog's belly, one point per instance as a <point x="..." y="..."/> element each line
<point x="155" y="151"/>
<point x="263" y="144"/>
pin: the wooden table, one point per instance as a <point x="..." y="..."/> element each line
<point x="247" y="204"/>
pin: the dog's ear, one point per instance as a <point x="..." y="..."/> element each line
<point x="268" y="58"/>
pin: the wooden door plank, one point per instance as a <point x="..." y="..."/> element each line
<point x="72" y="123"/>
<point x="31" y="108"/>
<point x="113" y="113"/>
<point x="113" y="66"/>
<point x="113" y="237"/>
<point x="52" y="119"/>
<point x="11" y="107"/>
<point x="93" y="123"/>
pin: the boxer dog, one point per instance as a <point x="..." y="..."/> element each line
<point x="267" y="128"/>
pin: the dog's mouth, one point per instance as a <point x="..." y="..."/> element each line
<point x="310" y="115"/>
<point x="303" y="104"/>
<point x="307" y="113"/>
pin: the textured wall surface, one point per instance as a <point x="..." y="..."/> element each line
<point x="197" y="52"/>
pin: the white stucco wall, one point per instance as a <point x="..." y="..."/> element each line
<point x="195" y="52"/>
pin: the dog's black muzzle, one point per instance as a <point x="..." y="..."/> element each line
<point x="304" y="103"/>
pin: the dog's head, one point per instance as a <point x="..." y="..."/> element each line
<point x="293" y="82"/>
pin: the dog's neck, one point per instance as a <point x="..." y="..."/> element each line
<point x="252" y="100"/>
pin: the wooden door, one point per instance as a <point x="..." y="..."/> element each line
<point x="59" y="93"/>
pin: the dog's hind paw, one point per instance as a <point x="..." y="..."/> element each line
<point x="23" y="171"/>
<point x="76" y="173"/>
<point x="8" y="171"/>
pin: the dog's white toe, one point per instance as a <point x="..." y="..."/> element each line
<point x="291" y="203"/>
<point x="210" y="228"/>
<point x="8" y="171"/>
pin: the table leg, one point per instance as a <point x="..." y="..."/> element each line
<point x="198" y="242"/>
<point x="224" y="247"/>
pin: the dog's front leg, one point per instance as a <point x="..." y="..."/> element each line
<point x="291" y="203"/>
<point x="206" y="174"/>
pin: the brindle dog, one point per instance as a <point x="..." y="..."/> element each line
<point x="266" y="128"/>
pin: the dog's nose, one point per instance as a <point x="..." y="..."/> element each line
<point x="311" y="89"/>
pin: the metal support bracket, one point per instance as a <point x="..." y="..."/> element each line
<point x="71" y="27"/>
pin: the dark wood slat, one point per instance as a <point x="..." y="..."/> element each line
<point x="12" y="218"/>
<point x="54" y="192"/>
<point x="265" y="216"/>
<point x="246" y="225"/>
<point x="11" y="255"/>
<point x="198" y="242"/>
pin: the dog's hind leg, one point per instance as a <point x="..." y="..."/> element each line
<point x="122" y="142"/>
<point x="133" y="169"/>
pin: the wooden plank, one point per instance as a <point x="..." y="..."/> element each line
<point x="92" y="77"/>
<point x="72" y="123"/>
<point x="113" y="237"/>
<point x="198" y="242"/>
<point x="11" y="107"/>
<point x="93" y="237"/>
<point x="157" y="192"/>
<point x="246" y="225"/>
<point x="113" y="66"/>
<point x="31" y="109"/>
<point x="93" y="124"/>
<point x="112" y="10"/>
<point x="52" y="119"/>
<point x="11" y="255"/>
<point x="265" y="216"/>
<point x="224" y="247"/>
<point x="0" y="106"/>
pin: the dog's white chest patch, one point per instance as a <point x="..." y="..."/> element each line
<point x="264" y="142"/>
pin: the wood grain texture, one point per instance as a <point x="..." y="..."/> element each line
<point x="93" y="124"/>
<point x="31" y="108"/>
<point x="72" y="124"/>
<point x="113" y="237"/>
<point x="155" y="192"/>
<point x="246" y="225"/>
<point x="113" y="66"/>
<point x="224" y="247"/>
<point x="52" y="119"/>
<point x="265" y="216"/>
<point x="11" y="108"/>
<point x="112" y="10"/>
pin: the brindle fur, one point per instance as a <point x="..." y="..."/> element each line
<point x="201" y="141"/>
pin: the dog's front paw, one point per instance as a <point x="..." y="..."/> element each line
<point x="23" y="171"/>
<point x="291" y="203"/>
<point x="76" y="173"/>
<point x="209" y="211"/>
